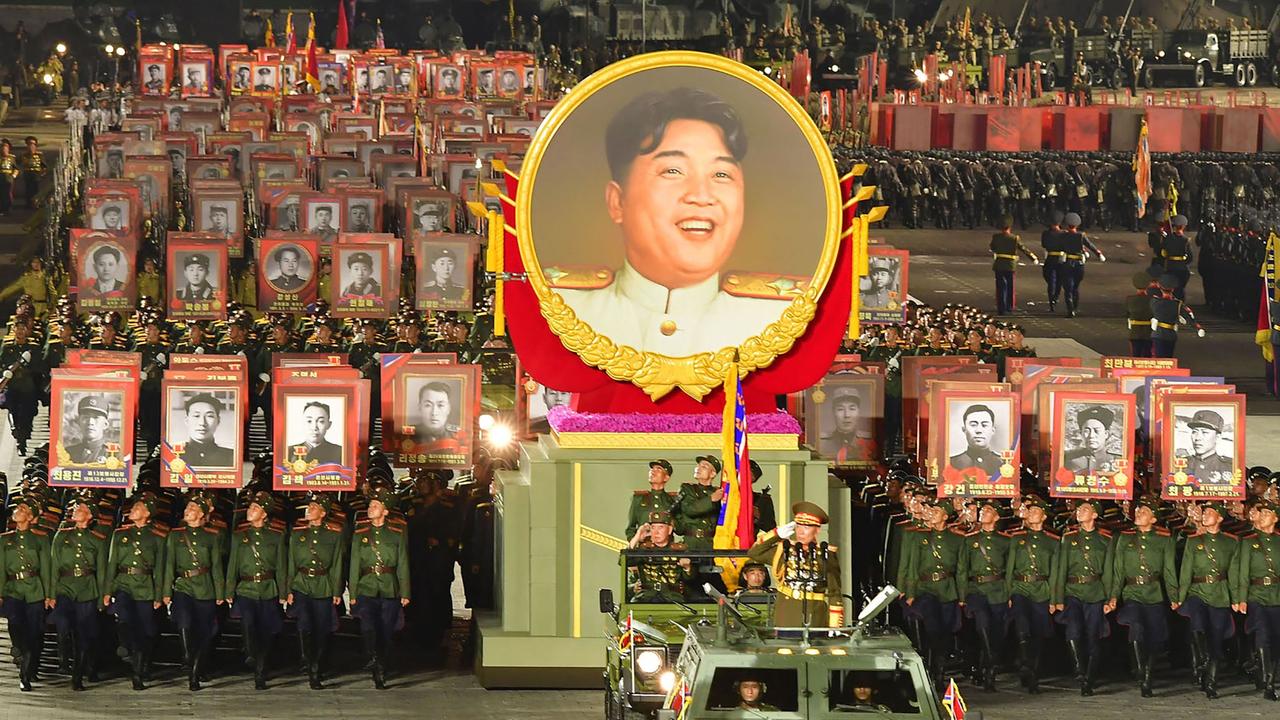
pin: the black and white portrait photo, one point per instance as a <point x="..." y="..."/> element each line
<point x="1205" y="439"/>
<point x="202" y="426"/>
<point x="977" y="435"/>
<point x="445" y="275"/>
<point x="322" y="220"/>
<point x="219" y="217"/>
<point x="90" y="426"/>
<point x="105" y="271"/>
<point x="314" y="429"/>
<point x="541" y="401"/>
<point x="359" y="273"/>
<point x="435" y="410"/>
<point x="288" y="268"/>
<point x="360" y="216"/>
<point x="429" y="216"/>
<point x="200" y="276"/>
<point x="109" y="216"/>
<point x="1094" y="433"/>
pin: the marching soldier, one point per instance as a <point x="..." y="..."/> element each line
<point x="1257" y="581"/>
<point x="26" y="589"/>
<point x="1176" y="253"/>
<point x="656" y="497"/>
<point x="22" y="364"/>
<point x="1167" y="313"/>
<point x="697" y="507"/>
<point x="315" y="582"/>
<point x="1005" y="246"/>
<point x="33" y="167"/>
<point x="981" y="587"/>
<point x="255" y="586"/>
<point x="133" y="586"/>
<point x="194" y="583"/>
<point x="1081" y="587"/>
<point x="1204" y="594"/>
<point x="1138" y="311"/>
<point x="651" y="578"/>
<point x="154" y="354"/>
<point x="805" y="571"/>
<point x="1032" y="560"/>
<point x="1075" y="246"/>
<point x="930" y="587"/>
<point x="79" y="564"/>
<point x="1143" y="574"/>
<point x="379" y="582"/>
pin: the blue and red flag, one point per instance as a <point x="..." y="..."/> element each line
<point x="952" y="702"/>
<point x="735" y="529"/>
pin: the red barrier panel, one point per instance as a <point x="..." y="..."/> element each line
<point x="1174" y="129"/>
<point x="1077" y="129"/>
<point x="912" y="127"/>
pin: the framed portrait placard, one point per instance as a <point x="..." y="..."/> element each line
<point x="104" y="272"/>
<point x="843" y="417"/>
<point x="200" y="433"/>
<point x="1111" y="363"/>
<point x="978" y="451"/>
<point x="533" y="402"/>
<point x="195" y="76"/>
<point x="197" y="279"/>
<point x="446" y="271"/>
<point x="91" y="421"/>
<point x="1015" y="367"/>
<point x="1203" y="454"/>
<point x="1160" y="394"/>
<point x="220" y="213"/>
<point x="316" y="435"/>
<point x="359" y="288"/>
<point x="954" y="382"/>
<point x="286" y="274"/>
<point x="1046" y="422"/>
<point x="1091" y="445"/>
<point x="429" y="411"/>
<point x="883" y="292"/>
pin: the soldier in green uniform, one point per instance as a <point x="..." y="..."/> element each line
<point x="655" y="579"/>
<point x="198" y="341"/>
<point x="33" y="167"/>
<point x="238" y="342"/>
<point x="379" y="583"/>
<point x="656" y="497"/>
<point x="750" y="697"/>
<point x="155" y="354"/>
<point x="1005" y="246"/>
<point x="22" y="365"/>
<point x="1081" y="588"/>
<point x="315" y="581"/>
<point x="980" y="585"/>
<point x="1204" y="594"/>
<point x="194" y="583"/>
<point x="698" y="506"/>
<point x="133" y="586"/>
<point x="8" y="173"/>
<point x="929" y="585"/>
<point x="26" y="589"/>
<point x="1257" y="581"/>
<point x="1143" y="576"/>
<point x="1032" y="559"/>
<point x="79" y="564"/>
<point x="805" y="571"/>
<point x="255" y="584"/>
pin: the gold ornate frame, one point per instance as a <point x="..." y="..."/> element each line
<point x="654" y="373"/>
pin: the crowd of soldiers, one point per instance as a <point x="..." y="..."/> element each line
<point x="986" y="582"/>
<point x="204" y="563"/>
<point x="20" y="170"/>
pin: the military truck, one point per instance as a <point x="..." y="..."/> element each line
<point x="1198" y="57"/>
<point x="645" y="629"/>
<point x="734" y="669"/>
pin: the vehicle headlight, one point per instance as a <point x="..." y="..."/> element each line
<point x="1160" y="54"/>
<point x="1186" y="54"/>
<point x="649" y="661"/>
<point x="666" y="681"/>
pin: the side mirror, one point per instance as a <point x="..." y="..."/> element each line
<point x="607" y="605"/>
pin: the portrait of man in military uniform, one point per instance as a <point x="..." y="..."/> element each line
<point x="435" y="412"/>
<point x="109" y="217"/>
<point x="1095" y="445"/>
<point x="87" y="426"/>
<point x="509" y="82"/>
<point x="1206" y="443"/>
<point x="320" y="221"/>
<point x="539" y="403"/>
<point x="194" y="78"/>
<point x="196" y="271"/>
<point x="975" y="436"/>
<point x="428" y="216"/>
<point x="448" y="82"/>
<point x="359" y="273"/>
<point x="265" y="80"/>
<point x="104" y="272"/>
<point x="880" y="288"/>
<point x="380" y="82"/>
<point x="329" y="82"/>
<point x="312" y="424"/>
<point x="360" y="216"/>
<point x="445" y="280"/>
<point x="242" y="76"/>
<point x="202" y="424"/>
<point x="219" y="217"/>
<point x="848" y="424"/>
<point x="286" y="217"/>
<point x="288" y="268"/>
<point x="154" y="82"/>
<point x="484" y="82"/>
<point x="679" y="167"/>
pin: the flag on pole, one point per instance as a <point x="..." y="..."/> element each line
<point x="1142" y="169"/>
<point x="313" y="64"/>
<point x="290" y="40"/>
<point x="952" y="701"/>
<point x="340" y="36"/>
<point x="269" y="39"/>
<point x="735" y="529"/>
<point x="628" y="636"/>
<point x="379" y="41"/>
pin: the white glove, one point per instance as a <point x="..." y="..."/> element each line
<point x="160" y="358"/>
<point x="377" y="356"/>
<point x="8" y="374"/>
<point x="1200" y="332"/>
<point x="1102" y="257"/>
<point x="787" y="531"/>
<point x="1182" y="320"/>
<point x="1154" y="323"/>
<point x="144" y="374"/>
<point x="26" y="356"/>
<point x="264" y="377"/>
<point x="199" y="351"/>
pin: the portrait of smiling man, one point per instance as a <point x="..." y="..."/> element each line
<point x="677" y="197"/>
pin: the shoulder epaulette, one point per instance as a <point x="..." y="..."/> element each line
<point x="159" y="531"/>
<point x="1051" y="535"/>
<point x="972" y="533"/>
<point x="957" y="531"/>
<point x="98" y="534"/>
<point x="214" y="530"/>
<point x="37" y="530"/>
<point x="1004" y="533"/>
<point x="1104" y="532"/>
<point x="832" y="548"/>
<point x="1250" y="536"/>
<point x="1072" y="531"/>
<point x="362" y="528"/>
<point x="1130" y="531"/>
<point x="1162" y="531"/>
<point x="1015" y="533"/>
<point x="1230" y="535"/>
<point x="123" y="529"/>
<point x="679" y="547"/>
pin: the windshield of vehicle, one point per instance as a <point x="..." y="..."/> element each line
<point x="678" y="576"/>
<point x="885" y="691"/>
<point x="754" y="690"/>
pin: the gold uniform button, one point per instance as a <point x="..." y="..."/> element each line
<point x="668" y="327"/>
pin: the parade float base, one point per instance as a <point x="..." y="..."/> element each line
<point x="559" y="522"/>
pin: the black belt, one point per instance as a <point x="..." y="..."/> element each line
<point x="24" y="575"/>
<point x="314" y="572"/>
<point x="988" y="578"/>
<point x="258" y="577"/>
<point x="1083" y="579"/>
<point x="194" y="572"/>
<point x="1209" y="579"/>
<point x="77" y="572"/>
<point x="1141" y="580"/>
<point x="377" y="570"/>
<point x="935" y="577"/>
<point x="1267" y="581"/>
<point x="1032" y="578"/>
<point x="134" y="570"/>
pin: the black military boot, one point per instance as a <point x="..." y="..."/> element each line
<point x="136" y="664"/>
<point x="80" y="658"/>
<point x="309" y="657"/>
<point x="197" y="662"/>
<point x="1077" y="662"/>
<point x="988" y="660"/>
<point x="1199" y="657"/>
<point x="184" y="637"/>
<point x="21" y="654"/>
<point x="1091" y="664"/>
<point x="1267" y="666"/>
<point x="65" y="653"/>
<point x="1211" y="679"/>
<point x="1142" y="668"/>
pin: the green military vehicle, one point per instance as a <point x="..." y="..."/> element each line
<point x="734" y="669"/>
<point x="639" y="665"/>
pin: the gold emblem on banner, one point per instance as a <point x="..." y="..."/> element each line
<point x="1180" y="478"/>
<point x="1006" y="470"/>
<point x="1120" y="479"/>
<point x="178" y="465"/>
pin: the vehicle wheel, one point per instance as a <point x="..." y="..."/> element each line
<point x="1149" y="78"/>
<point x="1117" y="79"/>
<point x="1241" y="77"/>
<point x="1200" y="78"/>
<point x="1050" y="77"/>
<point x="1251" y="74"/>
<point x="610" y="705"/>
<point x="1275" y="75"/>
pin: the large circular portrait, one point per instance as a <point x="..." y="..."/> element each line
<point x="674" y="208"/>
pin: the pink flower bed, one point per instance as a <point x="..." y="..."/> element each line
<point x="564" y="420"/>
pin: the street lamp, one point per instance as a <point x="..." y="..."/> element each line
<point x="110" y="49"/>
<point x="61" y="48"/>
<point x="119" y="52"/>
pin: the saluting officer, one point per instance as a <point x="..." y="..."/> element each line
<point x="1005" y="246"/>
<point x="256" y="582"/>
<point x="929" y="585"/>
<point x="1032" y="559"/>
<point x="1204" y="593"/>
<point x="805" y="571"/>
<point x="1143" y="575"/>
<point x="134" y="582"/>
<point x="1176" y="253"/>
<point x="194" y="583"/>
<point x="379" y="580"/>
<point x="697" y="507"/>
<point x="26" y="588"/>
<point x="981" y="587"/>
<point x="656" y="497"/>
<point x="650" y="579"/>
<point x="1081" y="587"/>
<point x="315" y="582"/>
<point x="1257" y="581"/>
<point x="79" y="556"/>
